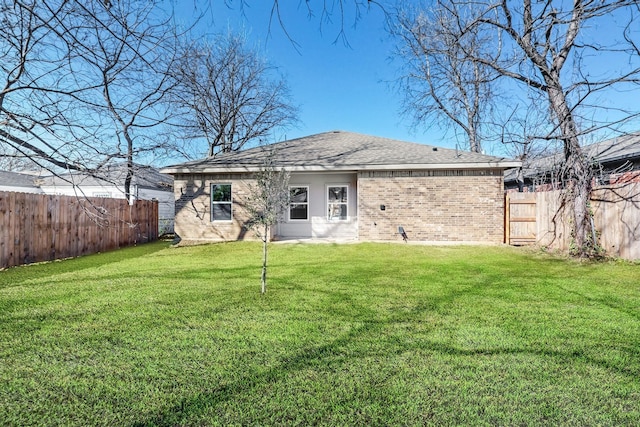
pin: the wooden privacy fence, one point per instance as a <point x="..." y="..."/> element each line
<point x="38" y="227"/>
<point x="520" y="219"/>
<point x="540" y="218"/>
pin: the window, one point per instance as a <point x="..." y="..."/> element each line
<point x="337" y="202"/>
<point x="299" y="203"/>
<point x="220" y="202"/>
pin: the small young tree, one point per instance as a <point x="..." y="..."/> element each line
<point x="268" y="200"/>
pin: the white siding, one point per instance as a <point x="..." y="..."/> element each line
<point x="166" y="207"/>
<point x="84" y="191"/>
<point x="318" y="225"/>
<point x="20" y="189"/>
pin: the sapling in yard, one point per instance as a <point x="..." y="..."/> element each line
<point x="267" y="201"/>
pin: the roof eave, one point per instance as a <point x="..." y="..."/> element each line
<point x="342" y="168"/>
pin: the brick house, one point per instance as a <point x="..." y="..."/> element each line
<point x="614" y="161"/>
<point x="349" y="186"/>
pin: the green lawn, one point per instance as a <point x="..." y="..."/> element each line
<point x="363" y="334"/>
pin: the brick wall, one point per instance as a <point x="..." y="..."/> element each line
<point x="193" y="207"/>
<point x="452" y="206"/>
<point x="624" y="177"/>
<point x="447" y="206"/>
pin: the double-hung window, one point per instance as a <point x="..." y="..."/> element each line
<point x="220" y="202"/>
<point x="337" y="202"/>
<point x="298" y="203"/>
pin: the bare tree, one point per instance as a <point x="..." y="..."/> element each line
<point x="551" y="43"/>
<point x="130" y="52"/>
<point x="38" y="83"/>
<point x="552" y="48"/>
<point x="79" y="80"/>
<point x="268" y="200"/>
<point x="441" y="84"/>
<point x="339" y="14"/>
<point x="12" y="161"/>
<point x="233" y="97"/>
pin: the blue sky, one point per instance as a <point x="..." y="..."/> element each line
<point x="351" y="87"/>
<point x="337" y="86"/>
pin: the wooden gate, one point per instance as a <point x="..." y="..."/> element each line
<point x="520" y="219"/>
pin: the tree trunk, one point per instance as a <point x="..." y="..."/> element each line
<point x="265" y="241"/>
<point x="576" y="172"/>
<point x="474" y="143"/>
<point x="578" y="194"/>
<point x="129" y="175"/>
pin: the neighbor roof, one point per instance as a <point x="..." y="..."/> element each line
<point x="144" y="177"/>
<point x="608" y="152"/>
<point x="343" y="151"/>
<point x="14" y="179"/>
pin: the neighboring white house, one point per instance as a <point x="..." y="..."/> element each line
<point x="147" y="184"/>
<point x="18" y="182"/>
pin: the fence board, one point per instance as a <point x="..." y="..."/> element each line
<point x="13" y="256"/>
<point x="36" y="227"/>
<point x="617" y="213"/>
<point x="5" y="218"/>
<point x="53" y="213"/>
<point x="616" y="210"/>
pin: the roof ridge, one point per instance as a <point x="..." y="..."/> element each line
<point x="345" y="150"/>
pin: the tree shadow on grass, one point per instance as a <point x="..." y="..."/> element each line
<point x="193" y="406"/>
<point x="606" y="302"/>
<point x="371" y="327"/>
<point x="15" y="275"/>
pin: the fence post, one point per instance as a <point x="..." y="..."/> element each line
<point x="507" y="218"/>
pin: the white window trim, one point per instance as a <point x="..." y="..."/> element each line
<point x="211" y="202"/>
<point x="306" y="203"/>
<point x="326" y="195"/>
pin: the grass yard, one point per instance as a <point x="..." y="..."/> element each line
<point x="364" y="334"/>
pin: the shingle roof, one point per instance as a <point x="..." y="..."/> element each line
<point x="144" y="177"/>
<point x="14" y="179"/>
<point x="339" y="150"/>
<point x="607" y="152"/>
<point x="611" y="150"/>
